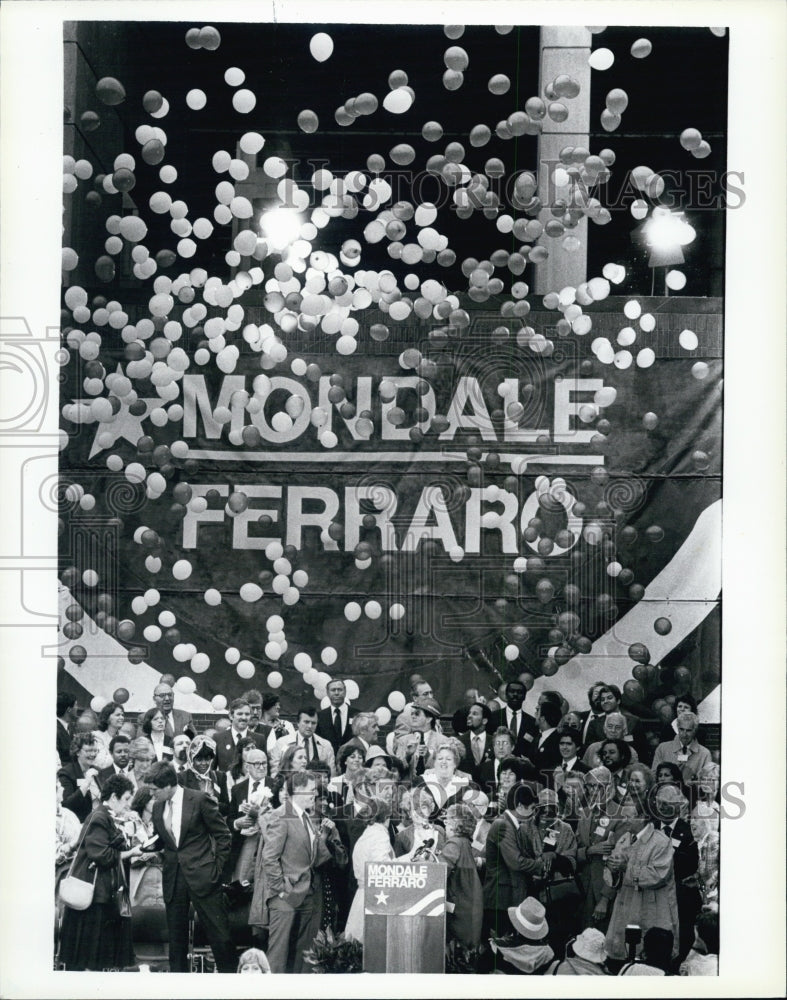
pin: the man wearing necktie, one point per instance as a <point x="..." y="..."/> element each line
<point x="670" y="804"/>
<point x="593" y="721"/>
<point x="196" y="842"/>
<point x="292" y="852"/>
<point x="522" y="726"/>
<point x="333" y="722"/>
<point x="476" y="741"/>
<point x="316" y="747"/>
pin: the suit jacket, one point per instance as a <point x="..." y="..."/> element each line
<point x="556" y="776"/>
<point x="595" y="731"/>
<point x="324" y="752"/>
<point x="686" y="856"/>
<point x="467" y="763"/>
<point x="288" y="859"/>
<point x="507" y="866"/>
<point x="225" y="747"/>
<point x="107" y="772"/>
<point x="488" y="782"/>
<point x="546" y="757"/>
<point x="63" y="744"/>
<point x="203" y="846"/>
<point x="524" y="739"/>
<point x="327" y="732"/>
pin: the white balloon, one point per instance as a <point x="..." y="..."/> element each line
<point x="397" y="701"/>
<point x="275" y="679"/>
<point x="232" y="655"/>
<point x="182" y="569"/>
<point x="219" y="702"/>
<point x="321" y="46"/>
<point x="352" y="611"/>
<point x="383" y="715"/>
<point x="328" y="656"/>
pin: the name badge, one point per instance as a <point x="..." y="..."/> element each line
<point x="621" y="789"/>
<point x="529" y="737"/>
<point x="477" y="845"/>
<point x="551" y="838"/>
<point x="600" y="831"/>
<point x="675" y="842"/>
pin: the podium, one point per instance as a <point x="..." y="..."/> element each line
<point x="404" y="917"/>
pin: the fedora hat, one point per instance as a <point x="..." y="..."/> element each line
<point x="529" y="918"/>
<point x="591" y="945"/>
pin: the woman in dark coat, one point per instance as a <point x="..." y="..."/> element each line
<point x="99" y="938"/>
<point x="81" y="786"/>
<point x="464" y="894"/>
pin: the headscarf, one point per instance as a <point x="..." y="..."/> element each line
<point x="202" y="746"/>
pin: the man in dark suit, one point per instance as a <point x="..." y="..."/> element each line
<point x="196" y="842"/>
<point x="119" y="747"/>
<point x="67" y="714"/>
<point x="333" y="722"/>
<point x="513" y="717"/>
<point x="292" y="851"/>
<point x="245" y="798"/>
<point x="593" y="721"/>
<point x="240" y="715"/>
<point x="668" y="806"/>
<point x="476" y="741"/>
<point x="545" y="753"/>
<point x="568" y="745"/>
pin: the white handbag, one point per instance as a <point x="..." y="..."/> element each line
<point x="76" y="892"/>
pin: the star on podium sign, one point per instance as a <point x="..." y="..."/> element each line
<point x="126" y="425"/>
<point x="382" y="898"/>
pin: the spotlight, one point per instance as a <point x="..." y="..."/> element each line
<point x="280" y="227"/>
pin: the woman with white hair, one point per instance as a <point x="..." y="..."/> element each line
<point x="615" y="728"/>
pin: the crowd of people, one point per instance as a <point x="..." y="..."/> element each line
<point x="575" y="842"/>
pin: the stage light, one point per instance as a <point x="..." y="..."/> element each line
<point x="666" y="233"/>
<point x="280" y="227"/>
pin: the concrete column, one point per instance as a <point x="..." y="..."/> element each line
<point x="562" y="50"/>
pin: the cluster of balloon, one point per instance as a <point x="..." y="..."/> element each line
<point x="691" y="140"/>
<point x="198" y="318"/>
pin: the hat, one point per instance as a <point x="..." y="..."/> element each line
<point x="373" y="753"/>
<point x="548" y="797"/>
<point x="431" y="707"/>
<point x="529" y="918"/>
<point x="591" y="945"/>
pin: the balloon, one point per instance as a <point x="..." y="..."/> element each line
<point x="321" y="46"/>
<point x="617" y="101"/>
<point x="302" y="662"/>
<point x="688" y="340"/>
<point x="97" y="703"/>
<point x="383" y="715"/>
<point x="352" y="690"/>
<point x="244" y="101"/>
<point x="186" y="685"/>
<point x="90" y="578"/>
<point x="352" y="611"/>
<point x="396" y="611"/>
<point x="663" y="626"/>
<point x="110" y="91"/>
<point x="182" y="569"/>
<point x="200" y="663"/>
<point x="212" y="597"/>
<point x="397" y="701"/>
<point x="219" y="702"/>
<point x="250" y="592"/>
<point x="499" y="84"/>
<point x="372" y="609"/>
<point x="700" y="370"/>
<point x="601" y="59"/>
<point x="633" y="690"/>
<point x="196" y="99"/>
<point x="690" y="138"/>
<point x="328" y="656"/>
<point x="639" y="652"/>
<point x="245" y="669"/>
<point x="511" y="652"/>
<point x="275" y="679"/>
<point x="641" y="49"/>
<point x="308" y="121"/>
<point x="121" y="696"/>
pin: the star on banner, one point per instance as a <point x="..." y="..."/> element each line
<point x="126" y="425"/>
<point x="382" y="898"/>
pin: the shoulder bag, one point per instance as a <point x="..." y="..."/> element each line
<point x="75" y="892"/>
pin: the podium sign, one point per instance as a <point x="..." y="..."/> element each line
<point x="404" y="917"/>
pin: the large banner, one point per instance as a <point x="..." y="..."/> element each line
<point x="316" y="420"/>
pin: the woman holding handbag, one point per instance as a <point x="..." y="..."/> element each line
<point x="96" y="936"/>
